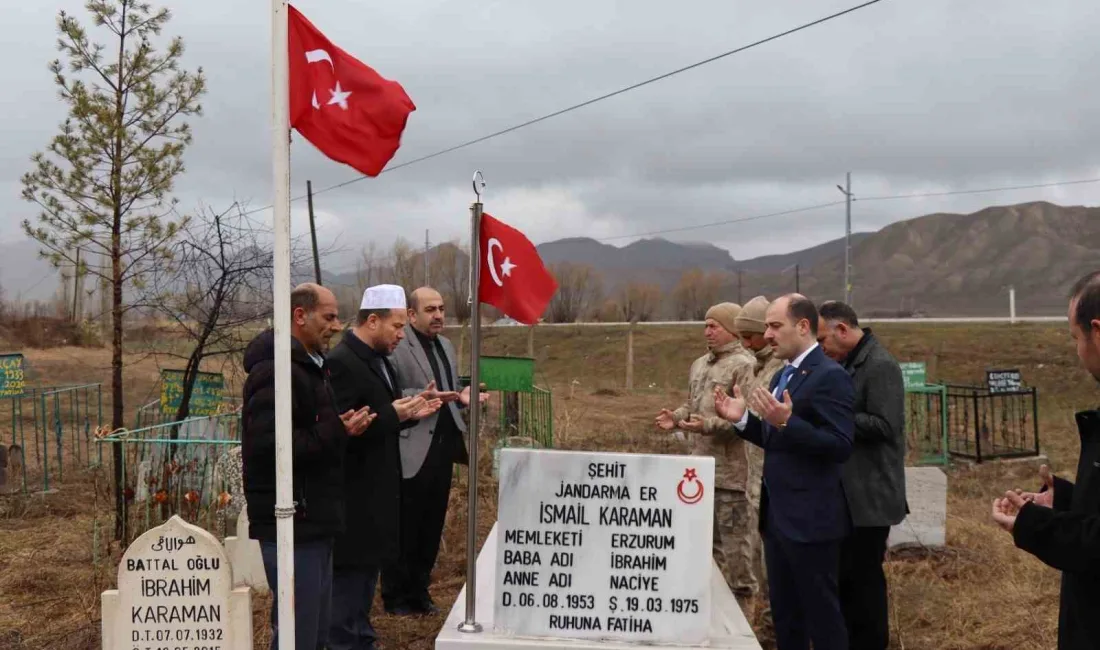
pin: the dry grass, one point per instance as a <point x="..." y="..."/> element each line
<point x="981" y="593"/>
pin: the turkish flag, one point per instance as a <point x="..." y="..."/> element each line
<point x="513" y="278"/>
<point x="346" y="109"/>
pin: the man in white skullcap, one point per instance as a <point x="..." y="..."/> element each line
<point x="361" y="375"/>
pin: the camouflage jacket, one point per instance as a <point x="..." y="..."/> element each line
<point x="766" y="366"/>
<point x="724" y="367"/>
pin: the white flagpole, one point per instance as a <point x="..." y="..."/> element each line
<point x="469" y="624"/>
<point x="280" y="160"/>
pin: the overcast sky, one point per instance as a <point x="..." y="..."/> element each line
<point x="910" y="95"/>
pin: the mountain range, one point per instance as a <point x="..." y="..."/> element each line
<point x="938" y="264"/>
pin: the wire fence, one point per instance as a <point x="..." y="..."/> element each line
<point x="985" y="425"/>
<point x="926" y="425"/>
<point x="51" y="430"/>
<point x="190" y="468"/>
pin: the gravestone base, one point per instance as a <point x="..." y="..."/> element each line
<point x="729" y="629"/>
<point x="246" y="558"/>
<point x="240" y="618"/>
<point x="926" y="525"/>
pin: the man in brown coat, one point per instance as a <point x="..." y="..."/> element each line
<point x="725" y="364"/>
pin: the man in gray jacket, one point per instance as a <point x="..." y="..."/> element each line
<point x="425" y="358"/>
<point x="874" y="475"/>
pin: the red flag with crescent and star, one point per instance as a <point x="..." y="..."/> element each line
<point x="513" y="278"/>
<point x="342" y="106"/>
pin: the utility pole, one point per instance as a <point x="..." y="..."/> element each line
<point x="797" y="288"/>
<point x="76" y="287"/>
<point x="313" y="233"/>
<point x="739" y="287"/>
<point x="847" y="192"/>
<point x="427" y="248"/>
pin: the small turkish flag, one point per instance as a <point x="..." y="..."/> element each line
<point x="346" y="109"/>
<point x="513" y="278"/>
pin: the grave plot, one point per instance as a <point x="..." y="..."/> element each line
<point x="47" y="431"/>
<point x="999" y="420"/>
<point x="190" y="469"/>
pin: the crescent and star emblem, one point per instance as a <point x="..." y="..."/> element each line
<point x="505" y="267"/>
<point x="339" y="96"/>
<point x="690" y="477"/>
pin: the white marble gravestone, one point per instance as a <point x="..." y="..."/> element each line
<point x="601" y="550"/>
<point x="926" y="524"/>
<point x="175" y="592"/>
<point x="246" y="558"/>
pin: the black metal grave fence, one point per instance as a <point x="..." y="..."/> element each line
<point x="983" y="425"/>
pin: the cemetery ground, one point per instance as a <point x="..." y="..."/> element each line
<point x="978" y="593"/>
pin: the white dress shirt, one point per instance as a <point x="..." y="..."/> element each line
<point x="796" y="363"/>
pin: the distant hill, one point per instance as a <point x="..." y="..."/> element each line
<point x="939" y="264"/>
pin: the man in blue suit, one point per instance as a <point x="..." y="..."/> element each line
<point x="805" y="426"/>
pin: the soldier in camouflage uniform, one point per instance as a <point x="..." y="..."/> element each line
<point x="724" y="365"/>
<point x="750" y="324"/>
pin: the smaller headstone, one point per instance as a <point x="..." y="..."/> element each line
<point x="207" y="392"/>
<point x="12" y="377"/>
<point x="926" y="524"/>
<point x="1003" y="381"/>
<point x="175" y="590"/>
<point x="228" y="478"/>
<point x="145" y="469"/>
<point x="913" y="373"/>
<point x="244" y="554"/>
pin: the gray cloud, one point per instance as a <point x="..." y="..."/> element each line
<point x="934" y="95"/>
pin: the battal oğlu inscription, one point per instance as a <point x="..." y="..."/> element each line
<point x="175" y="592"/>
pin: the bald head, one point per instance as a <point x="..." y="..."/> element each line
<point x="426" y="312"/>
<point x="314" y="316"/>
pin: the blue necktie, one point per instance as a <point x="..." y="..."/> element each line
<point x="784" y="379"/>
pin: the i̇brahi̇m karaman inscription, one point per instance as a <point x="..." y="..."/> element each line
<point x="604" y="545"/>
<point x="174" y="588"/>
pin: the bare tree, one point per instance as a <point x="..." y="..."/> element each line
<point x="405" y="264"/>
<point x="696" y="292"/>
<point x="104" y="182"/>
<point x="368" y="268"/>
<point x="580" y="289"/>
<point x="450" y="269"/>
<point x="216" y="291"/>
<point x="639" y="301"/>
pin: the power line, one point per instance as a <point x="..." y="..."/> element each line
<point x="725" y="222"/>
<point x="980" y="191"/>
<point x="594" y="100"/>
<point x="819" y="206"/>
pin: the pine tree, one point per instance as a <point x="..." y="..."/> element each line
<point x="104" y="182"/>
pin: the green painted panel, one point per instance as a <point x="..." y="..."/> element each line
<point x="516" y="374"/>
<point x="206" y="396"/>
<point x="12" y="380"/>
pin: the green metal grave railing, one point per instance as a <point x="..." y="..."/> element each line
<point x="176" y="468"/>
<point x="153" y="413"/>
<point x="62" y="421"/>
<point x="517" y="418"/>
<point x="926" y="425"/>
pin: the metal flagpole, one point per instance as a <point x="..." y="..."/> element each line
<point x="469" y="624"/>
<point x="280" y="158"/>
